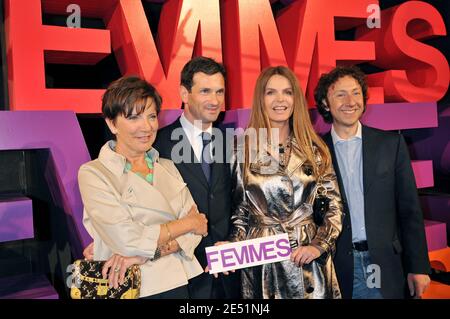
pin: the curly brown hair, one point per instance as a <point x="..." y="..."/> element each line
<point x="328" y="79"/>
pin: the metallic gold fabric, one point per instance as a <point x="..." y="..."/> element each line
<point x="281" y="201"/>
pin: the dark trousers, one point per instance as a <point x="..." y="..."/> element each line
<point x="218" y="292"/>
<point x="200" y="287"/>
<point x="176" y="293"/>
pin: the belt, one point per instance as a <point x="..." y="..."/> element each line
<point x="360" y="245"/>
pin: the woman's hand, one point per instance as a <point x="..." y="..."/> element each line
<point x="169" y="248"/>
<point x="116" y="266"/>
<point x="304" y="255"/>
<point x="225" y="272"/>
<point x="88" y="252"/>
<point x="198" y="221"/>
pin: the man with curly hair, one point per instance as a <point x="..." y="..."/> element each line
<point x="382" y="249"/>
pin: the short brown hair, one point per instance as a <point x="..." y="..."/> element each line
<point x="126" y="94"/>
<point x="200" y="64"/>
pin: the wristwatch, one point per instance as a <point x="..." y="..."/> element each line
<point x="156" y="255"/>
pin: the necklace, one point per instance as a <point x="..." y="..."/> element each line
<point x="285" y="152"/>
<point x="149" y="176"/>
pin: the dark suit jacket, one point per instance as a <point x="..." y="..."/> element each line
<point x="213" y="200"/>
<point x="394" y="222"/>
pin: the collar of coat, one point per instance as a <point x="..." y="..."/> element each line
<point x="296" y="160"/>
<point x="138" y="192"/>
<point x="116" y="162"/>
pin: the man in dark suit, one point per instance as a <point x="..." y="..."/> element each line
<point x="382" y="249"/>
<point x="193" y="144"/>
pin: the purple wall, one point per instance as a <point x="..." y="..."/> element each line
<point x="16" y="219"/>
<point x="60" y="133"/>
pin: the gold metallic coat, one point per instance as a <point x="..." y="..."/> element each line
<point x="279" y="201"/>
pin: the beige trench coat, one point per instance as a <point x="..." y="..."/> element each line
<point x="123" y="213"/>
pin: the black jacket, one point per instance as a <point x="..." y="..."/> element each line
<point x="393" y="217"/>
<point x="213" y="200"/>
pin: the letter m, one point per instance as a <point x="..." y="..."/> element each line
<point x="186" y="29"/>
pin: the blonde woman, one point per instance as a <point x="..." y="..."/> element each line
<point x="272" y="199"/>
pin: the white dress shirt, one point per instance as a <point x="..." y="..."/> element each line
<point x="194" y="135"/>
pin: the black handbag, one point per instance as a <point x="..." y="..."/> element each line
<point x="321" y="204"/>
<point x="88" y="283"/>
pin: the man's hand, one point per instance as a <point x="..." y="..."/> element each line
<point x="417" y="284"/>
<point x="225" y="272"/>
<point x="88" y="252"/>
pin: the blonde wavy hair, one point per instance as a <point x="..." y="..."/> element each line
<point x="300" y="121"/>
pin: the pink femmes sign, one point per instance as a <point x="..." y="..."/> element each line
<point x="248" y="253"/>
